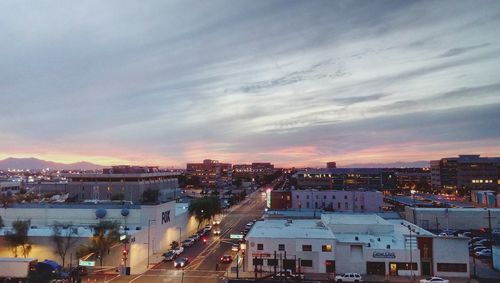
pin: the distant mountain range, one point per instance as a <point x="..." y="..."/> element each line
<point x="397" y="164"/>
<point x="34" y="163"/>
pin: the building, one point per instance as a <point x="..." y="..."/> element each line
<point x="256" y="170"/>
<point x="466" y="173"/>
<point x="437" y="218"/>
<point x="330" y="200"/>
<point x="363" y="243"/>
<point x="212" y="173"/>
<point x="331" y="165"/>
<point x="340" y="178"/>
<point x="10" y="187"/>
<point x="150" y="228"/>
<point x="118" y="182"/>
<point x="413" y="178"/>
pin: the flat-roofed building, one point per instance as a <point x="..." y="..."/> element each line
<point x="212" y="173"/>
<point x="129" y="185"/>
<point x="361" y="243"/>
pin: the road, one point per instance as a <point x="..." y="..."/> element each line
<point x="204" y="257"/>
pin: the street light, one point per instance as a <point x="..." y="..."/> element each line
<point x="149" y="237"/>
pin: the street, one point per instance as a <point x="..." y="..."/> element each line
<point x="204" y="257"/>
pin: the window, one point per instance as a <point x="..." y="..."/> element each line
<point x="338" y="205"/>
<point x="407" y="266"/>
<point x="260" y="247"/>
<point x="306" y="263"/>
<point x="258" y="261"/>
<point x="297" y="196"/>
<point x="324" y="197"/>
<point x="326" y="248"/>
<point x="452" y="267"/>
<point x="346" y="205"/>
<point x="333" y="197"/>
<point x="281" y="247"/>
<point x="272" y="262"/>
<point x="345" y="197"/>
<point x="306" y="248"/>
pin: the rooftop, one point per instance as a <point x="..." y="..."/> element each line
<point x="311" y="229"/>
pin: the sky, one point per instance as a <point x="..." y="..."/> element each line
<point x="297" y="83"/>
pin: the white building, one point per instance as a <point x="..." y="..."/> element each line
<point x="153" y="226"/>
<point x="362" y="243"/>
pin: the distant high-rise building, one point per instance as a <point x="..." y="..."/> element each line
<point x="466" y="172"/>
<point x="331" y="165"/>
<point x="253" y="171"/>
<point x="212" y="173"/>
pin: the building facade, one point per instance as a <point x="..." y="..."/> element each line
<point x="150" y="229"/>
<point x="362" y="243"/>
<point x="212" y="173"/>
<point x="129" y="185"/>
<point x="329" y="200"/>
<point x="256" y="170"/>
<point x="466" y="173"/>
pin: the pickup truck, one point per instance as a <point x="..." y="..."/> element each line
<point x="288" y="273"/>
<point x="348" y="277"/>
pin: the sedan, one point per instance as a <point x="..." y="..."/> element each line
<point x="187" y="243"/>
<point x="169" y="256"/>
<point x="181" y="262"/>
<point x="226" y="259"/>
<point x="434" y="280"/>
<point x="178" y="250"/>
<point x="483" y="253"/>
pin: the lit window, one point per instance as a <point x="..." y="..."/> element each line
<point x="326" y="248"/>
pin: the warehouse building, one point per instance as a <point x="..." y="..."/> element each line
<point x="362" y="243"/>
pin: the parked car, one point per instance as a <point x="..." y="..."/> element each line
<point x="288" y="273"/>
<point x="170" y="255"/>
<point x="226" y="259"/>
<point x="187" y="243"/>
<point x="475" y="239"/>
<point x="208" y="228"/>
<point x="235" y="247"/>
<point x="483" y="242"/>
<point x="195" y="237"/>
<point x="202" y="232"/>
<point x="434" y="280"/>
<point x="181" y="262"/>
<point x="178" y="250"/>
<point x="465" y="234"/>
<point x="348" y="277"/>
<point x="483" y="253"/>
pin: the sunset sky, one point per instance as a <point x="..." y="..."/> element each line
<point x="291" y="82"/>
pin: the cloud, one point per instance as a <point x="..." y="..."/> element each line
<point x="460" y="50"/>
<point x="246" y="81"/>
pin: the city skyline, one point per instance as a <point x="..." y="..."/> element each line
<point x="290" y="82"/>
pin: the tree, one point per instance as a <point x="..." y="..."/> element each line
<point x="106" y="234"/>
<point x="64" y="238"/>
<point x="204" y="208"/>
<point x="1" y="222"/>
<point x="18" y="237"/>
<point x="174" y="244"/>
